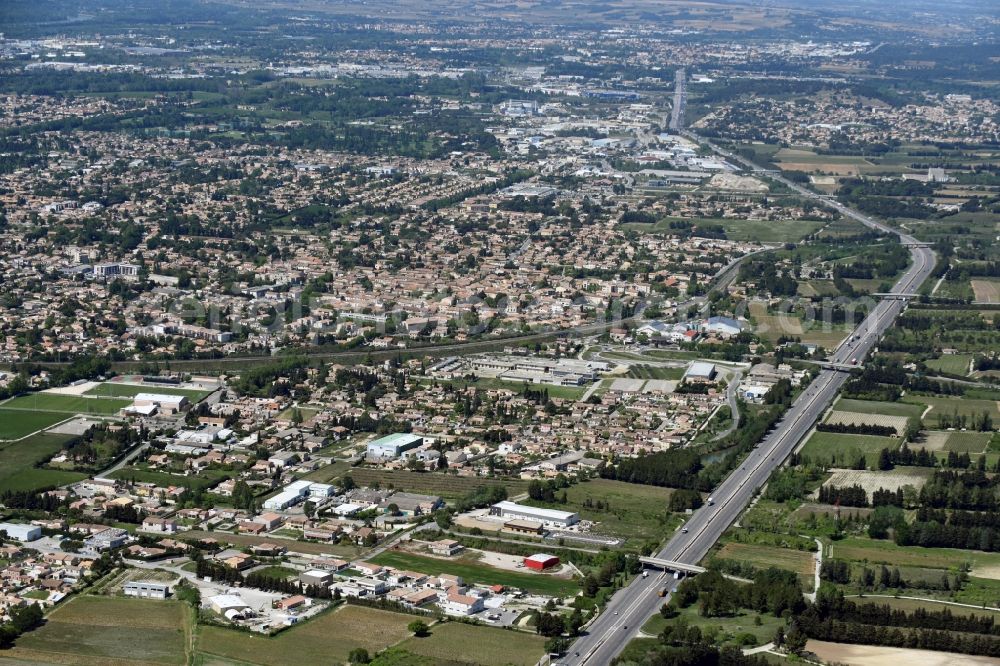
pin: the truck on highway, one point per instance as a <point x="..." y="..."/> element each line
<point x="711" y="501"/>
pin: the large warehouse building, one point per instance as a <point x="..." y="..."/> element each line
<point x="297" y="491"/>
<point x="165" y="403"/>
<point x="21" y="531"/>
<point x="700" y="371"/>
<point x="145" y="589"/>
<point x="393" y="446"/>
<point x="551" y="517"/>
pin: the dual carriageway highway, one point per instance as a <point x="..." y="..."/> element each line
<point x="629" y="609"/>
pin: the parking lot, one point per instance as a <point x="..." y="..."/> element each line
<point x="498" y="617"/>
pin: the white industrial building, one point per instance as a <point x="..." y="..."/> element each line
<point x="145" y="589"/>
<point x="700" y="371"/>
<point x="725" y="327"/>
<point x="166" y="403"/>
<point x="551" y="517"/>
<point x="393" y="446"/>
<point x="230" y="606"/>
<point x="298" y="491"/>
<point x="346" y="509"/>
<point x="21" y="531"/>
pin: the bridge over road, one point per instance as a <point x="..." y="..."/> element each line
<point x="672" y="565"/>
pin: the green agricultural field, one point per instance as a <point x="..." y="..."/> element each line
<point x="979" y="591"/>
<point x="473" y="572"/>
<point x="203" y="480"/>
<point x="306" y="413"/>
<point x="115" y="390"/>
<point x="960" y="289"/>
<point x="914" y="576"/>
<point x="327" y="639"/>
<point x="633" y="510"/>
<point x="774" y="326"/>
<point x="841" y="450"/>
<point x="767" y="231"/>
<point x="458" y="643"/>
<point x="964" y="406"/>
<point x="328" y="473"/>
<point x="38" y="479"/>
<point x="886" y="552"/>
<point x="986" y="290"/>
<point x="761" y="151"/>
<point x="637" y="650"/>
<point x="910" y="605"/>
<point x="92" y="630"/>
<point x="66" y="404"/>
<point x="845" y="226"/>
<point x="802" y="562"/>
<point x="810" y="288"/>
<point x="342" y="446"/>
<point x="967" y="442"/>
<point x="875" y="407"/>
<point x="18" y="460"/>
<point x="796" y="159"/>
<point x="867" y="285"/>
<point x="952" y="364"/>
<point x="433" y="483"/>
<point x="18" y="423"/>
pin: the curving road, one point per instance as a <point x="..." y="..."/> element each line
<point x="629" y="609"/>
<point x="732" y="392"/>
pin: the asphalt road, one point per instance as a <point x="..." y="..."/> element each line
<point x="680" y="100"/>
<point x="732" y="392"/>
<point x="629" y="609"/>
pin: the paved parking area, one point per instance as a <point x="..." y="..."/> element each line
<point x="498" y="617"/>
<point x="76" y="426"/>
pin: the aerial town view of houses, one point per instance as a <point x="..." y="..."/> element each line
<point x="405" y="334"/>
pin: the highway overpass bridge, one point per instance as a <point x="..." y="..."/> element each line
<point x="839" y="367"/>
<point x="895" y="295"/>
<point x="832" y="365"/>
<point x="672" y="565"/>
